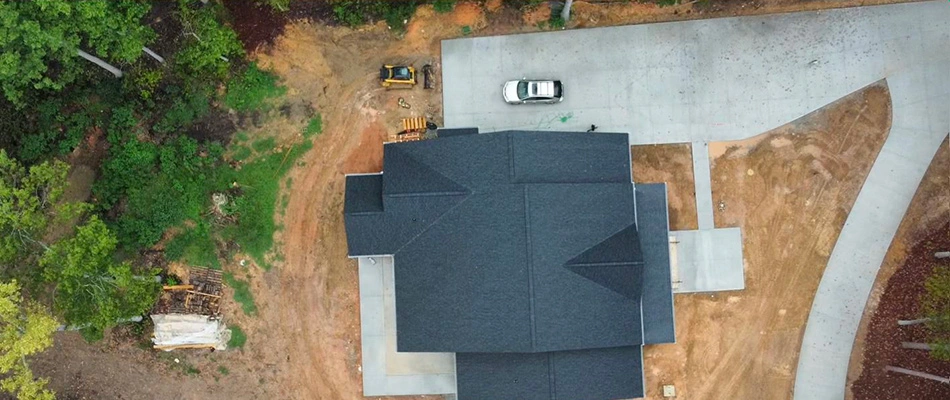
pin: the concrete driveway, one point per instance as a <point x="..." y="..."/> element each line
<point x="732" y="78"/>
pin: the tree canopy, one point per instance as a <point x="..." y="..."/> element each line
<point x="28" y="198"/>
<point x="93" y="292"/>
<point x="40" y="39"/>
<point x="25" y="328"/>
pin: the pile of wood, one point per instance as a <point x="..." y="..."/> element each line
<point x="201" y="295"/>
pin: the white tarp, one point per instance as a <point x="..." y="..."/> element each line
<point x="189" y="330"/>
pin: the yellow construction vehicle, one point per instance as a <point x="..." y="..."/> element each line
<point x="397" y="74"/>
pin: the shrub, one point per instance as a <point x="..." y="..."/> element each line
<point x="195" y="247"/>
<point x="209" y="44"/>
<point x="251" y="90"/>
<point x="443" y="6"/>
<point x="264" y="145"/>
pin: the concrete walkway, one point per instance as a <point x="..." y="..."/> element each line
<point x="732" y="78"/>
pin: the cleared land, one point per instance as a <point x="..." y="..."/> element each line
<point x="304" y="341"/>
<point x="790" y="191"/>
<point x="671" y="164"/>
<point x="895" y="294"/>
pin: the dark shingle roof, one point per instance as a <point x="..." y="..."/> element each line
<point x="599" y="374"/>
<point x="522" y="247"/>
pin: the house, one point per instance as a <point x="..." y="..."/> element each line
<point x="529" y="255"/>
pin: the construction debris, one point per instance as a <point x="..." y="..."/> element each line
<point x="178" y="331"/>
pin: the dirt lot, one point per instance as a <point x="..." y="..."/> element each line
<point x="790" y="191"/>
<point x="671" y="164"/>
<point x="907" y="260"/>
<point x="782" y="188"/>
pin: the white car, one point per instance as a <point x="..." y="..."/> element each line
<point x="533" y="91"/>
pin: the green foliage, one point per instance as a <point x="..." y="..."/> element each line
<point x="25" y="329"/>
<point x="39" y="40"/>
<point x="443" y="6"/>
<point x="175" y="192"/>
<point x="251" y="90"/>
<point x="58" y="130"/>
<point x="240" y="153"/>
<point x="314" y="127"/>
<point x="195" y="247"/>
<point x="556" y="22"/>
<point x="466" y="30"/>
<point x="130" y="165"/>
<point x="29" y="198"/>
<point x="93" y="291"/>
<point x="260" y="181"/>
<point x="277" y="5"/>
<point x="192" y="370"/>
<point x="242" y="295"/>
<point x="358" y="12"/>
<point x="186" y="107"/>
<point x="209" y="44"/>
<point x="264" y="145"/>
<point x="143" y="81"/>
<point x="936" y="306"/>
<point x="223" y="370"/>
<point x="238" y="338"/>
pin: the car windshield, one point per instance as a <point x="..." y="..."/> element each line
<point x="522" y="90"/>
<point x="401" y="72"/>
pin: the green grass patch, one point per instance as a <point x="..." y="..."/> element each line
<point x="240" y="137"/>
<point x="238" y="338"/>
<point x="255" y="208"/>
<point x="466" y="30"/>
<point x="223" y="370"/>
<point x="242" y="295"/>
<point x="195" y="247"/>
<point x="251" y="90"/>
<point x="443" y="6"/>
<point x="192" y="370"/>
<point x="241" y="153"/>
<point x="264" y="145"/>
<point x="314" y="127"/>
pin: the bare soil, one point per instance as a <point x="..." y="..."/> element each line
<point x="895" y="293"/>
<point x="304" y="341"/>
<point x="790" y="190"/>
<point x="671" y="164"/>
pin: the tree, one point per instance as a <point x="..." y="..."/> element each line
<point x="208" y="42"/>
<point x="25" y="329"/>
<point x="91" y="290"/>
<point x="28" y="199"/>
<point x="40" y="40"/>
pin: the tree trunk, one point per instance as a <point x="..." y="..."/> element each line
<point x="566" y="11"/>
<point x="100" y="62"/>
<point x="905" y="322"/>
<point x="153" y="54"/>
<point x="917" y="374"/>
<point x="942" y="254"/>
<point x="916" y="346"/>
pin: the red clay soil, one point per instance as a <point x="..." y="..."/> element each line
<point x="256" y="24"/>
<point x="901" y="300"/>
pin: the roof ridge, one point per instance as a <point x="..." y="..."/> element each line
<point x="435" y="221"/>
<point x="433" y="176"/>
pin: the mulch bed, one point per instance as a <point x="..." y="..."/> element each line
<point x="901" y="301"/>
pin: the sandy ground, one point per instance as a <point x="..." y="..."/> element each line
<point x="790" y="191"/>
<point x="929" y="209"/>
<point x="671" y="164"/>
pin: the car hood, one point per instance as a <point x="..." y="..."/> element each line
<point x="511" y="91"/>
